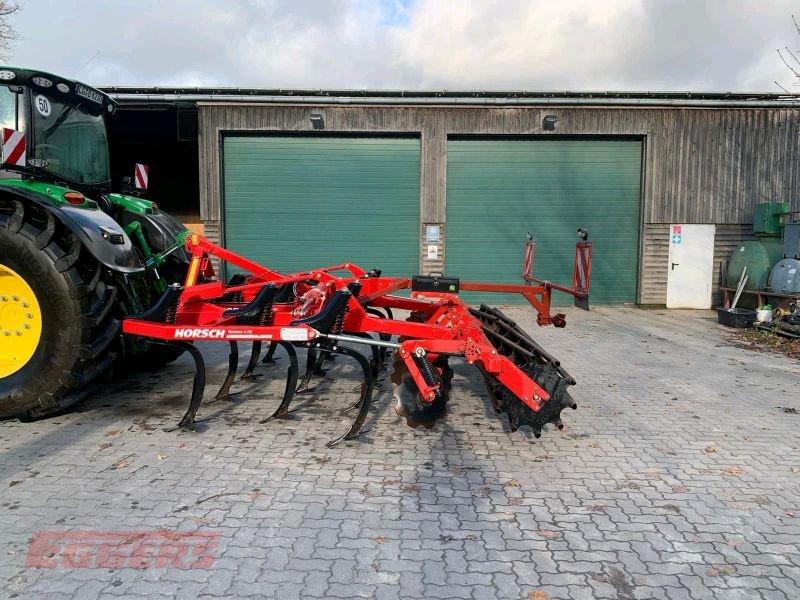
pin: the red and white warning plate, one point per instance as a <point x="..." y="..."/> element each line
<point x="141" y="176"/>
<point x="13" y="147"/>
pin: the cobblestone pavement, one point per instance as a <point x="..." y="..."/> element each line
<point x="677" y="477"/>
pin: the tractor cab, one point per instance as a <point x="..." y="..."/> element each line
<point x="55" y="144"/>
<point x="54" y="130"/>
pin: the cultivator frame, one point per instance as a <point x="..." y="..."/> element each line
<point x="327" y="314"/>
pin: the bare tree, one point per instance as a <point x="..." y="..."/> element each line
<point x="7" y="32"/>
<point x="790" y="59"/>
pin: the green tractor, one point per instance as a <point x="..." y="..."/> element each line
<point x="74" y="257"/>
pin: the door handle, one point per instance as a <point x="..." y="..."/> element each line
<point x="673" y="265"/>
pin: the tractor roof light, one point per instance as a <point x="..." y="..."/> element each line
<point x="7" y="75"/>
<point x="42" y="81"/>
<point x="63" y="88"/>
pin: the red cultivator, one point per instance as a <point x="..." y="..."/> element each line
<point x="328" y="314"/>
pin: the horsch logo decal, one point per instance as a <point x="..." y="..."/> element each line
<point x="197" y="332"/>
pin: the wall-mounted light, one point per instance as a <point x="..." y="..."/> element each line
<point x="317" y="121"/>
<point x="549" y="122"/>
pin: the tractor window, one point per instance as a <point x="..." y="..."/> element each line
<point x="8" y="108"/>
<point x="71" y="139"/>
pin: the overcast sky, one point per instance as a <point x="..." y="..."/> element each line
<point x="413" y="44"/>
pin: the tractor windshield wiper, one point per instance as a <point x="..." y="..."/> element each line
<point x="65" y="112"/>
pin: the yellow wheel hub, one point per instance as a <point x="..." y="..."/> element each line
<point x="20" y="322"/>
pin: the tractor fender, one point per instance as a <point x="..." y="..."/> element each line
<point x="101" y="235"/>
<point x="161" y="230"/>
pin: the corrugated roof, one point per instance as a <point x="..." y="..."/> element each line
<point x="405" y="95"/>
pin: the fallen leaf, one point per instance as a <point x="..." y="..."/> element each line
<point x="202" y="521"/>
<point x="106" y="446"/>
<point x="795" y="469"/>
<point x="511" y="483"/>
<point x="412" y="487"/>
<point x="594" y="445"/>
<point x="720" y="570"/>
<point x="789" y="513"/>
<point x="548" y="534"/>
<point x="13" y="483"/>
<point x="160" y="456"/>
<point x="122" y="462"/>
<point x="710" y="450"/>
<point x="381" y="540"/>
<point x="538" y="596"/>
<point x="597" y="508"/>
<point x="735" y="471"/>
<point x="515" y="501"/>
<point x="680" y="489"/>
<point x="112" y="432"/>
<point x="471" y="537"/>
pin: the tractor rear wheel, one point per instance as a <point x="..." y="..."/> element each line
<point x="59" y="317"/>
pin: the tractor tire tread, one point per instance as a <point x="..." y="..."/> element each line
<point x="86" y="352"/>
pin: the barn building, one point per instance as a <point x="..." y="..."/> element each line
<point x="452" y="182"/>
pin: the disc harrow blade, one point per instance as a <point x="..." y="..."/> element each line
<point x="510" y="340"/>
<point x="409" y="404"/>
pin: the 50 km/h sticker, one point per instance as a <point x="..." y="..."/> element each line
<point x="42" y="105"/>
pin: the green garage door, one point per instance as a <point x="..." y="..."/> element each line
<point x="294" y="203"/>
<point x="499" y="189"/>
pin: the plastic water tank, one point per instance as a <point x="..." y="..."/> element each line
<point x="758" y="256"/>
<point x="785" y="277"/>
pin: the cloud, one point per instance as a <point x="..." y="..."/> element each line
<point x="413" y="44"/>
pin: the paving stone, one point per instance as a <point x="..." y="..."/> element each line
<point x="627" y="502"/>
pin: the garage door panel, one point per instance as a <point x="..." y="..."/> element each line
<point x="300" y="202"/>
<point x="497" y="190"/>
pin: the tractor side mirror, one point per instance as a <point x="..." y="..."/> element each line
<point x="125" y="185"/>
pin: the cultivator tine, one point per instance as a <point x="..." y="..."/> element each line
<point x="233" y="362"/>
<point x="282" y="411"/>
<point x="270" y="353"/>
<point x="313" y="367"/>
<point x="377" y="356"/>
<point x="365" y="399"/>
<point x="198" y="386"/>
<point x="253" y="362"/>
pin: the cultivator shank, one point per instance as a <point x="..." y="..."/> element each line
<point x="333" y="310"/>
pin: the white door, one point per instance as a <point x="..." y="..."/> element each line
<point x="691" y="266"/>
